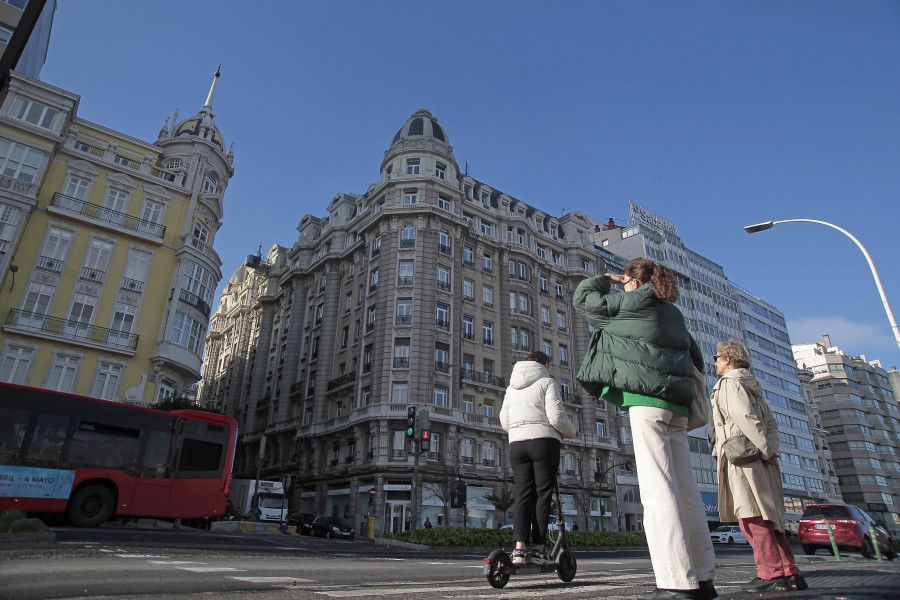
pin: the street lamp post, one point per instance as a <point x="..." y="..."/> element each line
<point x="884" y="300"/>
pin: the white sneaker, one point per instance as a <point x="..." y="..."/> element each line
<point x="518" y="558"/>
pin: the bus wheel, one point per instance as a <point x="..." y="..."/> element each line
<point x="91" y="506"/>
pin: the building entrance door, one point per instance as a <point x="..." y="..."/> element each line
<point x="396" y="512"/>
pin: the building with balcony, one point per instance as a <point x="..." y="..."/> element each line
<point x="422" y="291"/>
<point x="859" y="411"/>
<point x="106" y="247"/>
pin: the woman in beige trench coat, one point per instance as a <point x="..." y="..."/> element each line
<point x="752" y="493"/>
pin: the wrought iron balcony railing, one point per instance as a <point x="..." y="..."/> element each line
<point x="66" y="328"/>
<point x="132" y="285"/>
<point x="46" y="263"/>
<point x="339" y="382"/>
<point x="194" y="300"/>
<point x="107" y="215"/>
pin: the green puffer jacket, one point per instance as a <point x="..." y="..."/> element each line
<point x="644" y="345"/>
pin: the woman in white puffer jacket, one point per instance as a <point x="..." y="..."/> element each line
<point x="534" y="417"/>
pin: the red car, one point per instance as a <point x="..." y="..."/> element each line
<point x="850" y="525"/>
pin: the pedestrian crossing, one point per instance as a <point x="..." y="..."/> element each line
<point x="607" y="579"/>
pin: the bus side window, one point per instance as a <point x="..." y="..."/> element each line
<point x="156" y="457"/>
<point x="45" y="449"/>
<point x="200" y="456"/>
<point x="105" y="446"/>
<point x="12" y="430"/>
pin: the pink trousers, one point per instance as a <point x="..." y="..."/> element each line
<point x="771" y="549"/>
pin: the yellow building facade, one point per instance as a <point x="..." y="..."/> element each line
<point x="107" y="266"/>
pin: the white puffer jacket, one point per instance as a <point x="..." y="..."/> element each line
<point x="532" y="407"/>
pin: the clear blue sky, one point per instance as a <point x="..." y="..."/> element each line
<point x="713" y="114"/>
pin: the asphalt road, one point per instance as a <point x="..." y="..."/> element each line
<point x="124" y="563"/>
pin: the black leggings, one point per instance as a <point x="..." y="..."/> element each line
<point x="534" y="463"/>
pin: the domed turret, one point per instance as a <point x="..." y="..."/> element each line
<point x="420" y="132"/>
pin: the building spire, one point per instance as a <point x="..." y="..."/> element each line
<point x="212" y="89"/>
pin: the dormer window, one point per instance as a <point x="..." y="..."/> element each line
<point x="210" y="183"/>
<point x="440" y="170"/>
<point x="33" y="112"/>
<point x="412" y="166"/>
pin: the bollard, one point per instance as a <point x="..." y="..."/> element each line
<point x="834" y="546"/>
<point x="370" y="533"/>
<point x="875" y="543"/>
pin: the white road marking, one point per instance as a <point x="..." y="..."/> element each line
<point x="139" y="556"/>
<point x="390" y="591"/>
<point x="273" y="579"/>
<point x="175" y="562"/>
<point x="209" y="569"/>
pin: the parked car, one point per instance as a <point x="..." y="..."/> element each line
<point x="303" y="522"/>
<point x="332" y="527"/>
<point x="850" y="525"/>
<point x="728" y="534"/>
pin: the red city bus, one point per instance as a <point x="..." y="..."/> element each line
<point x="93" y="459"/>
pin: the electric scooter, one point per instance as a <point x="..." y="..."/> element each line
<point x="498" y="566"/>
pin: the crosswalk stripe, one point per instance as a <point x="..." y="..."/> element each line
<point x="209" y="569"/>
<point x="272" y="579"/>
<point x="175" y="562"/>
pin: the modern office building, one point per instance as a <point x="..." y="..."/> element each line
<point x="25" y="27"/>
<point x="107" y="267"/>
<point x="859" y="411"/>
<point x="423" y="291"/>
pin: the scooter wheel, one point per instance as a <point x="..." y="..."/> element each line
<point x="567" y="566"/>
<point x="499" y="569"/>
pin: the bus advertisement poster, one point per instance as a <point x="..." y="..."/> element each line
<point x="28" y="482"/>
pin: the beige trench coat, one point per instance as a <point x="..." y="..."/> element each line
<point x="754" y="489"/>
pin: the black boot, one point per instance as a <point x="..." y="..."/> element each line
<point x="776" y="584"/>
<point x="707" y="591"/>
<point x="799" y="582"/>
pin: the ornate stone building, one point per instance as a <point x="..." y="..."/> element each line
<point x="423" y="291"/>
<point x="106" y="247"/>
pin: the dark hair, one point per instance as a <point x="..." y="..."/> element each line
<point x="539" y="357"/>
<point x="647" y="271"/>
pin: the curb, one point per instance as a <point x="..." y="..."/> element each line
<point x="43" y="534"/>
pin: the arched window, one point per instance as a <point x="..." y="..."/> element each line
<point x="175" y="163"/>
<point x="210" y="183"/>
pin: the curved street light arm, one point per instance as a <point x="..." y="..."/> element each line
<point x="884" y="300"/>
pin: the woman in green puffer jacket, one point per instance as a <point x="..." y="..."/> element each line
<point x="642" y="359"/>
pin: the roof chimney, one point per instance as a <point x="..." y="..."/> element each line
<point x="827" y="339"/>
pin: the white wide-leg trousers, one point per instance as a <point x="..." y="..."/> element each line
<point x="674" y="517"/>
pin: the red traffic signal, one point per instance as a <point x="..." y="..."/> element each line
<point x="425" y="440"/>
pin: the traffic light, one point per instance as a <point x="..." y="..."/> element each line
<point x="411" y="422"/>
<point x="457" y="494"/>
<point x="425" y="445"/>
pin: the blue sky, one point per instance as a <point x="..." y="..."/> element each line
<point x="714" y="115"/>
